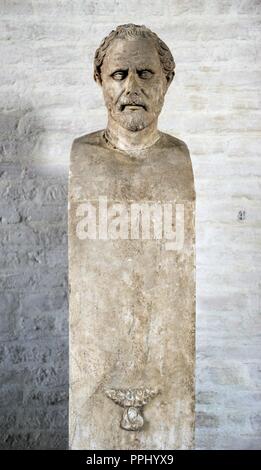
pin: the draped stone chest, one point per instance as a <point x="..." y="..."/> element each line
<point x="131" y="257"/>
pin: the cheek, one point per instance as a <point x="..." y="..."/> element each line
<point x="157" y="91"/>
<point x="111" y="92"/>
<point x="106" y="94"/>
<point x="157" y="97"/>
<point x="161" y="87"/>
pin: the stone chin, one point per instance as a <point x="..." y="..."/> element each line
<point x="134" y="121"/>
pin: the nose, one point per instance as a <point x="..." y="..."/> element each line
<point x="131" y="84"/>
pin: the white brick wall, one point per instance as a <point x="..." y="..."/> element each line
<point x="47" y="97"/>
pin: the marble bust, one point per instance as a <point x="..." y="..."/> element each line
<point x="131" y="260"/>
<point x="134" y="68"/>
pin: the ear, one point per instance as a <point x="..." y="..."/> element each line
<point x="169" y="78"/>
<point x="97" y="78"/>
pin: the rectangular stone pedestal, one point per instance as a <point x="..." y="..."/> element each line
<point x="132" y="300"/>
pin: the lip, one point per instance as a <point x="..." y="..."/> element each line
<point x="132" y="107"/>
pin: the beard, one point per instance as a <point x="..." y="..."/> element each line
<point x="134" y="120"/>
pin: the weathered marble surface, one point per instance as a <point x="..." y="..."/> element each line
<point x="132" y="302"/>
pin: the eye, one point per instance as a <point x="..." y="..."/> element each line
<point x="144" y="74"/>
<point x="119" y="74"/>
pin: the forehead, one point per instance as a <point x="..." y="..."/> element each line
<point x="128" y="52"/>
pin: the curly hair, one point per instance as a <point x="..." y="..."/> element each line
<point x="130" y="31"/>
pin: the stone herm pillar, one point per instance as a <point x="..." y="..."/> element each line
<point x="131" y="261"/>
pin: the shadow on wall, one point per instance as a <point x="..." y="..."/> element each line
<point x="33" y="290"/>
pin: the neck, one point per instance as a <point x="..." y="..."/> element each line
<point x="125" y="140"/>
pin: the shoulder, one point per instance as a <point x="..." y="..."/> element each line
<point x="178" y="154"/>
<point x="85" y="148"/>
<point x="172" y="142"/>
<point x="94" y="138"/>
